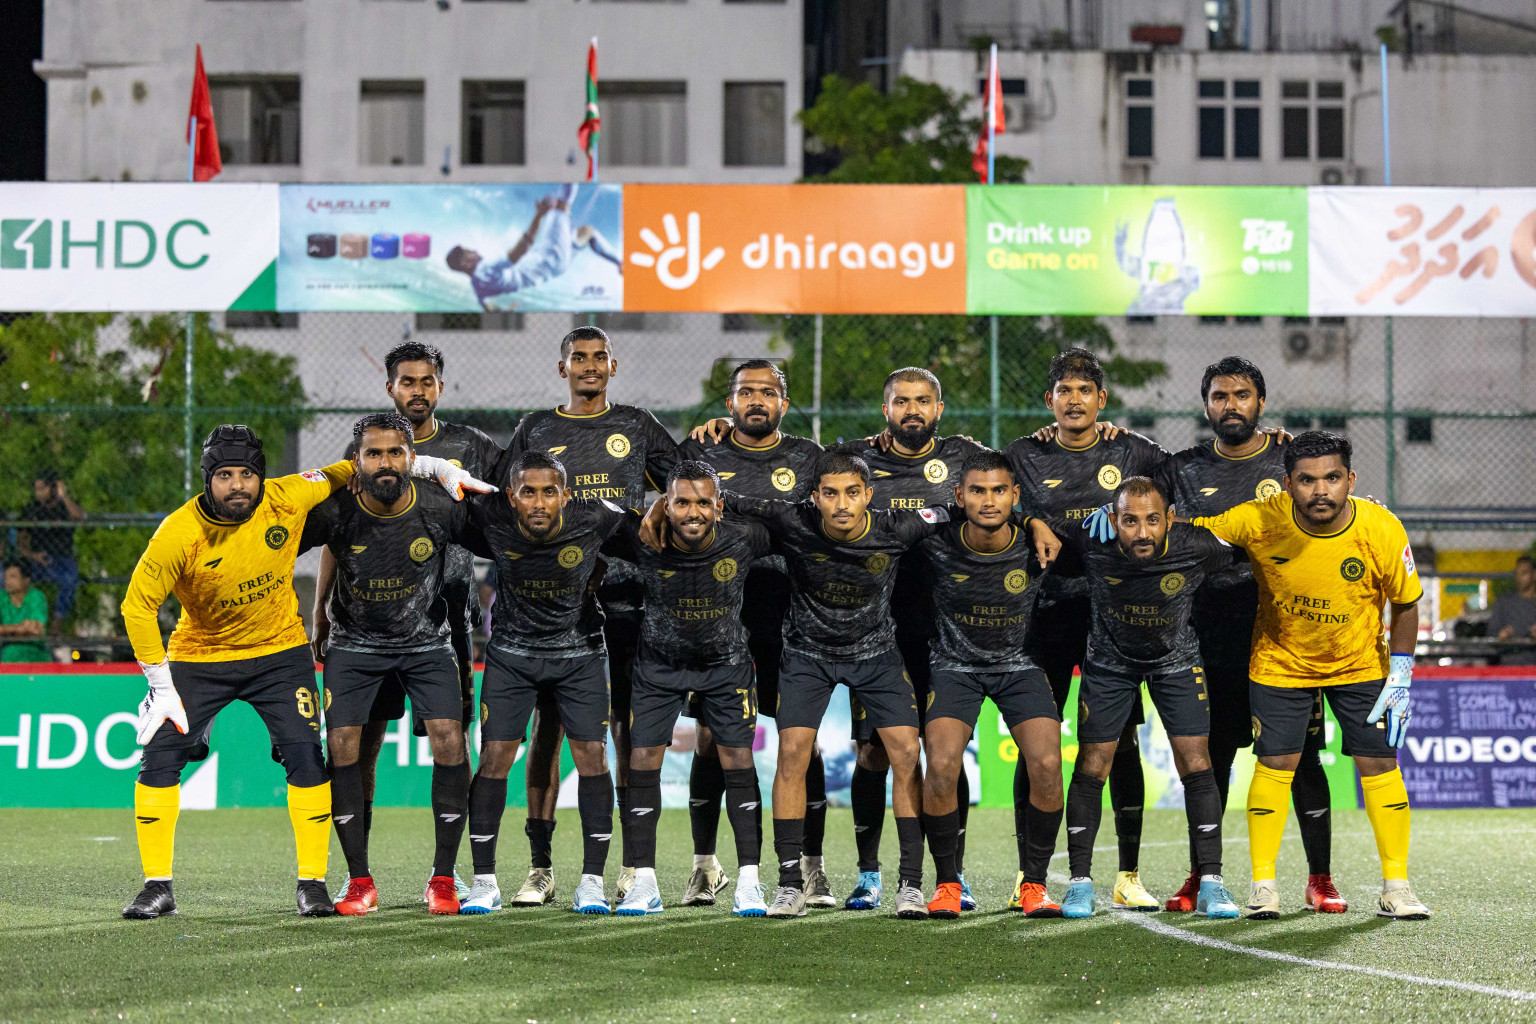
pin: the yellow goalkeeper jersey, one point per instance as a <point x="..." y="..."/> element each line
<point x="234" y="580"/>
<point x="1320" y="597"/>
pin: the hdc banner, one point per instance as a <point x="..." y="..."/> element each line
<point x="1472" y="740"/>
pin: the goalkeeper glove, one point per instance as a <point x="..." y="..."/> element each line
<point x="162" y="703"/>
<point x="453" y="479"/>
<point x="1099" y="525"/>
<point x="1393" y="701"/>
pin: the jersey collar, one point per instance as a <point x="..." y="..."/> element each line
<point x="1216" y="447"/>
<point x="436" y="426"/>
<point x="714" y="531"/>
<point x="927" y="450"/>
<point x="1097" y="437"/>
<point x="396" y="515"/>
<point x="731" y="439"/>
<point x="990" y="554"/>
<point x="1354" y="514"/>
<point x="584" y="415"/>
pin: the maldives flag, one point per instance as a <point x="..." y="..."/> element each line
<point x="205" y="153"/>
<point x="992" y="119"/>
<point x="591" y="124"/>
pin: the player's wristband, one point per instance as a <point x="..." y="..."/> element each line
<point x="1401" y="675"/>
<point x="159" y="676"/>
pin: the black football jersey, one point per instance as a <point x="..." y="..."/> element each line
<point x="387" y="596"/>
<point x="782" y="471"/>
<point x="1142" y="611"/>
<point x="612" y="455"/>
<point x="475" y="453"/>
<point x="840" y="591"/>
<point x="982" y="603"/>
<point x="543" y="607"/>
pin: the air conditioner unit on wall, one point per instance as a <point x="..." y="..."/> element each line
<point x="1312" y="344"/>
<point x="1330" y="176"/>
<point x="1018" y="113"/>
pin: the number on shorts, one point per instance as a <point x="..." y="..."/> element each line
<point x="305" y="698"/>
<point x="748" y="709"/>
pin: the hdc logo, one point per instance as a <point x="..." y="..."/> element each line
<point x="26" y="244"/>
<point x="664" y="257"/>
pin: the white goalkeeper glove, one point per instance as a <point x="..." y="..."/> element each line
<point x="453" y="479"/>
<point x="162" y="703"/>
<point x="1393" y="701"/>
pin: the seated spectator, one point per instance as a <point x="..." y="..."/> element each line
<point x="51" y="550"/>
<point x="23" y="614"/>
<point x="1513" y="616"/>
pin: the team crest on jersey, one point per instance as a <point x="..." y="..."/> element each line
<point x="421" y="549"/>
<point x="1016" y="581"/>
<point x="935" y="471"/>
<point x="1109" y="477"/>
<point x="1352" y="569"/>
<point x="878" y="562"/>
<point x="276" y="537"/>
<point x="1266" y="489"/>
<point x="618" y="445"/>
<point x="570" y="556"/>
<point x="1172" y="583"/>
<point x="725" y="570"/>
<point x="783" y="478"/>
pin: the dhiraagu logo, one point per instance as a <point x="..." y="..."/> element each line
<point x="667" y="256"/>
<point x="29" y="244"/>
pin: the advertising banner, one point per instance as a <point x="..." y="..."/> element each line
<point x="1423" y="251"/>
<point x="1472" y="741"/>
<point x="95" y="247"/>
<point x="1136" y="251"/>
<point x="795" y="248"/>
<point x="451" y="248"/>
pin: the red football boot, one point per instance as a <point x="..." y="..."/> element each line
<point x="1322" y="897"/>
<point x="946" y="901"/>
<point x="441" y="896"/>
<point x="1034" y="901"/>
<point x="361" y="898"/>
<point x="1183" y="901"/>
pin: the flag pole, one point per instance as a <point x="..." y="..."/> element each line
<point x="992" y="116"/>
<point x="186" y="425"/>
<point x="994" y="369"/>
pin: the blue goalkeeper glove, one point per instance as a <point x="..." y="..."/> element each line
<point x="1393" y="701"/>
<point x="1099" y="525"/>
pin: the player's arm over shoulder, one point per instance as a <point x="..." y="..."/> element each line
<point x="1214" y="552"/>
<point x="1242" y="524"/>
<point x="155" y="575"/>
<point x="311" y="487"/>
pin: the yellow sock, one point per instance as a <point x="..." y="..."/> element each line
<point x="1269" y="801"/>
<point x="1386" y="804"/>
<point x="309" y="808"/>
<point x="155" y="812"/>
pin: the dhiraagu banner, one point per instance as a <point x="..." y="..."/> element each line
<point x="1136" y="251"/>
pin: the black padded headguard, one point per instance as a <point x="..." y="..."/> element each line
<point x="233" y="444"/>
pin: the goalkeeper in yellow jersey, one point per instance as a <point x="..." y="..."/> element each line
<point x="228" y="557"/>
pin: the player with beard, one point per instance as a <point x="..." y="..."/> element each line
<point x="611" y="452"/>
<point x="1066" y="477"/>
<point x="1241" y="464"/>
<point x="389" y="545"/>
<point x="1141" y="588"/>
<point x="916" y="469"/>
<point x="756" y="459"/>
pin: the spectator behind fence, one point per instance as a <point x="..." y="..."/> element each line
<point x="51" y="550"/>
<point x="1513" y="616"/>
<point x="23" y="614"/>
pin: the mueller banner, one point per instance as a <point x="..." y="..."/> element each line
<point x="1423" y="251"/>
<point x="795" y="248"/>
<point x="126" y="247"/>
<point x="451" y="248"/>
<point x="1472" y="740"/>
<point x="1136" y="251"/>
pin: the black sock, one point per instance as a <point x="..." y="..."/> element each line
<point x="963" y="797"/>
<point x="1202" y="806"/>
<point x="706" y="784"/>
<point x="816" y="805"/>
<point x="744" y="810"/>
<point x="450" y="812"/>
<point x="788" y="842"/>
<point x="1085" y="805"/>
<point x="640" y="815"/>
<point x="621" y="800"/>
<point x="1042" y="830"/>
<point x="368" y="817"/>
<point x="1310" y="794"/>
<point x="942" y="831"/>
<point x="540" y="833"/>
<point x="1127" y="793"/>
<point x="347" y="816"/>
<point x="594" y="802"/>
<point x="1223" y="753"/>
<point x="909" y="838"/>
<point x="487" y="801"/>
<point x="866" y="791"/>
<point x="1021" y="811"/>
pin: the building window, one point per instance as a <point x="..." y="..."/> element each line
<point x="1141" y="319"/>
<point x="754" y="124"/>
<point x="257" y="118"/>
<point x="1251" y="321"/>
<point x="469" y="321"/>
<point x="492" y="115"/>
<point x="1213" y="321"/>
<point x="1330" y="120"/>
<point x="1298" y="112"/>
<point x="645" y="124"/>
<point x="258" y="319"/>
<point x="1138" y="119"/>
<point x="622" y="323"/>
<point x="391" y="123"/>
<point x="742" y="322"/>
<point x="1213" y="120"/>
<point x="1213" y="117"/>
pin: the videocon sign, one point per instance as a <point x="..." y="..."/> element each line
<point x="130" y="247"/>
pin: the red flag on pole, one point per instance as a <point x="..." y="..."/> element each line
<point x="591" y="123"/>
<point x="205" y="147"/>
<point x="992" y="122"/>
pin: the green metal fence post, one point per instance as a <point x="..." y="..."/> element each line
<point x="994" y="374"/>
<point x="186" y="425"/>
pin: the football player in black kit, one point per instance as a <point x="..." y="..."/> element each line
<point x="693" y="643"/>
<point x="916" y="470"/>
<point x="546" y="641"/>
<point x="1141" y="586"/>
<point x="389" y="546"/>
<point x="1066" y="477"/>
<point x="985" y="580"/>
<point x="756" y="459"/>
<point x="1240" y="464"/>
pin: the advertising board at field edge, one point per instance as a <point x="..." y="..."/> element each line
<point x="795" y="248"/>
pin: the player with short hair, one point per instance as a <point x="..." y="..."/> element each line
<point x="611" y="452"/>
<point x="546" y="641"/>
<point x="693" y="645"/>
<point x="1141" y="588"/>
<point x="757" y="459"/>
<point x="228" y="556"/>
<point x="985" y="580"/>
<point x="1327" y="564"/>
<point x="1240" y="463"/>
